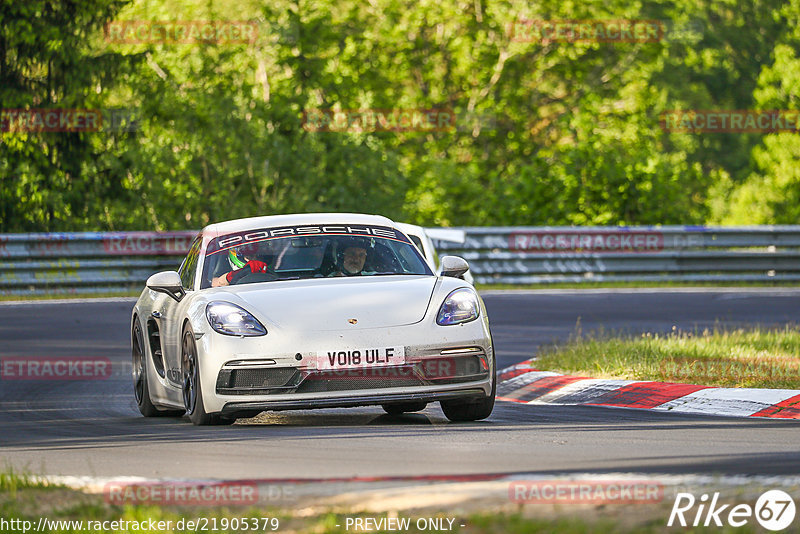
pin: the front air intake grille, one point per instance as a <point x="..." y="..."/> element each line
<point x="450" y="368"/>
<point x="255" y="380"/>
<point x="353" y="379"/>
<point x="456" y="368"/>
<point x="154" y="336"/>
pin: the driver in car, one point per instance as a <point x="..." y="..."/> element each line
<point x="243" y="262"/>
<point x="353" y="259"/>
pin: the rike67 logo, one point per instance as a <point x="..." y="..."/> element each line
<point x="774" y="510"/>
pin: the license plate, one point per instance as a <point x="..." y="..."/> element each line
<point x="364" y="357"/>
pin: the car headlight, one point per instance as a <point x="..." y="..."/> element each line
<point x="232" y="320"/>
<point x="460" y="306"/>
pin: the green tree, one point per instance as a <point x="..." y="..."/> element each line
<point x="51" y="181"/>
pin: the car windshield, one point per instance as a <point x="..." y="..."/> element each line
<point x="300" y="252"/>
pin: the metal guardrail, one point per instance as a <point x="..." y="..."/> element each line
<point x="545" y="255"/>
<point x="100" y="262"/>
<point x="86" y="262"/>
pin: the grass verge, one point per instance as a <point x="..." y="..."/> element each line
<point x="57" y="296"/>
<point x="753" y="358"/>
<point x="12" y="481"/>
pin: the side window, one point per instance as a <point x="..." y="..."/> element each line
<point x="189" y="266"/>
<point x="418" y="242"/>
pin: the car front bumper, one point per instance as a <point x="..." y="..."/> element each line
<point x="426" y="375"/>
<point x="359" y="399"/>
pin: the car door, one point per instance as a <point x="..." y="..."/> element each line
<point x="173" y="313"/>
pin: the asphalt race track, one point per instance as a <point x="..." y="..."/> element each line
<point x="92" y="428"/>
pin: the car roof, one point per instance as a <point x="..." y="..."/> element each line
<point x="267" y="221"/>
<point x="407" y="228"/>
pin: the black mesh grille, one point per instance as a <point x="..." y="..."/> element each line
<point x="351" y="379"/>
<point x="282" y="380"/>
<point x="248" y="379"/>
<point x="253" y="378"/>
<point x="448" y="368"/>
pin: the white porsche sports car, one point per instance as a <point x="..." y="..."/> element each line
<point x="310" y="311"/>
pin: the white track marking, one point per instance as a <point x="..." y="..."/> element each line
<point x="738" y="402"/>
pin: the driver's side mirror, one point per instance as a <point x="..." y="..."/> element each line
<point x="454" y="266"/>
<point x="168" y="282"/>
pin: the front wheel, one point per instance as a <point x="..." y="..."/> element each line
<point x="405" y="407"/>
<point x="192" y="390"/>
<point x="472" y="409"/>
<point x="141" y="388"/>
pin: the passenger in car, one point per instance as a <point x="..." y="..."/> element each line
<point x="243" y="262"/>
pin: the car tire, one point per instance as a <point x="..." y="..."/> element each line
<point x="473" y="409"/>
<point x="192" y="390"/>
<point x="141" y="388"/>
<point x="404" y="407"/>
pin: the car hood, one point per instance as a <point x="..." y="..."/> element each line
<point x="331" y="303"/>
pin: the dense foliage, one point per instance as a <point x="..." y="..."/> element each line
<point x="546" y="132"/>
